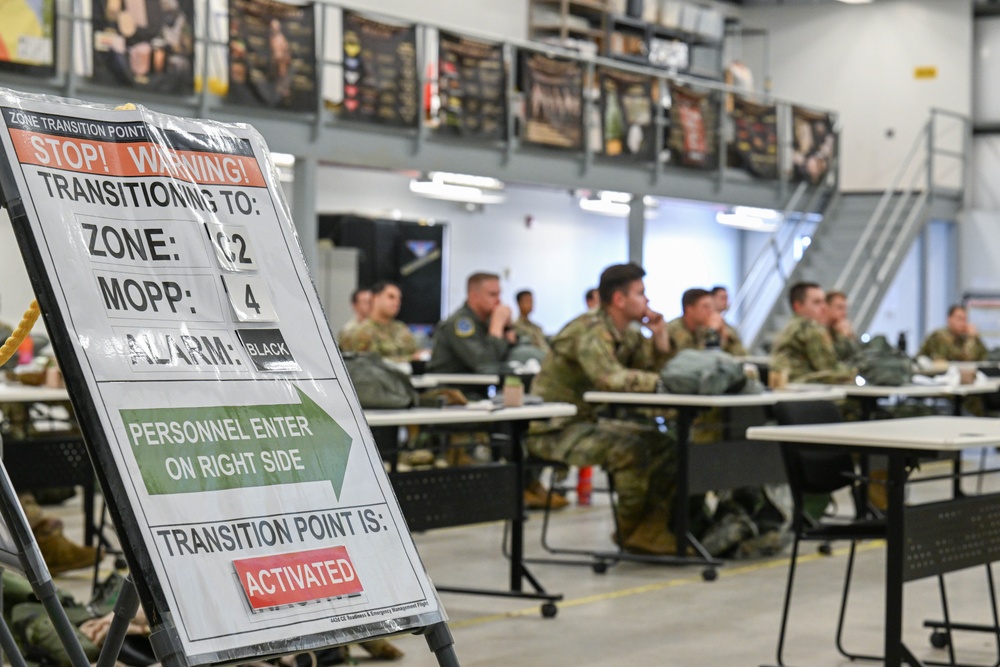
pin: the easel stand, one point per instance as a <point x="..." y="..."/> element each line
<point x="438" y="635"/>
<point x="21" y="554"/>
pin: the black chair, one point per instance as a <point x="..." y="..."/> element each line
<point x="818" y="471"/>
<point x="597" y="559"/>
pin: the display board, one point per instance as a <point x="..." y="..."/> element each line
<point x="627" y="113"/>
<point x="272" y="54"/>
<point x="814" y="144"/>
<point x="380" y="71"/>
<point x="472" y="86"/>
<point x="755" y="145"/>
<point x="27" y="36"/>
<point x="243" y="479"/>
<point x="553" y="100"/>
<point x="693" y="128"/>
<point x="147" y="44"/>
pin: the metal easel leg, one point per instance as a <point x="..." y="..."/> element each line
<point x="441" y="644"/>
<point x="10" y="649"/>
<point x="126" y="606"/>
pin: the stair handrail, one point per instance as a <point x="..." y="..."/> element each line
<point x="794" y="218"/>
<point x="876" y="216"/>
<point x="759" y="263"/>
<point x="886" y="230"/>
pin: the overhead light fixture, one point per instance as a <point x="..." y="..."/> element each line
<point x="857" y="2"/>
<point x="613" y="203"/>
<point x="750" y="218"/>
<point x="459" y="187"/>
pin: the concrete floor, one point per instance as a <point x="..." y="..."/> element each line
<point x="639" y="614"/>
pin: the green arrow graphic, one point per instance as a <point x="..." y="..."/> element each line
<point x="185" y="450"/>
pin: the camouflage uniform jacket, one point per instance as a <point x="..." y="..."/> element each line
<point x="590" y="353"/>
<point x="526" y="329"/>
<point x="943" y="344"/>
<point x="345" y="332"/>
<point x="845" y="346"/>
<point x="462" y="344"/>
<point x="681" y="338"/>
<point x="805" y="349"/>
<point x="392" y="340"/>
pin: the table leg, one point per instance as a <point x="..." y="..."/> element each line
<point x="684" y="418"/>
<point x="894" y="555"/>
<point x="517" y="523"/>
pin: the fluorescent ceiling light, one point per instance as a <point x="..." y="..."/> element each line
<point x="462" y="193"/>
<point x="605" y="207"/>
<point x="616" y="204"/>
<point x="460" y="187"/>
<point x="283" y="160"/>
<point x="450" y="178"/>
<point x="857" y="2"/>
<point x="751" y="219"/>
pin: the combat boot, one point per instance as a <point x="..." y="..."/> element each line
<point x="62" y="555"/>
<point x="536" y="496"/>
<point x="651" y="536"/>
<point x="381" y="649"/>
<point x="624" y="527"/>
<point x="878" y="489"/>
<point x="458" y="456"/>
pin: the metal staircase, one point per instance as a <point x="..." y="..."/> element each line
<point x="863" y="238"/>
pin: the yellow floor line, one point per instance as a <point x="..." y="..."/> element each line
<point x="724" y="572"/>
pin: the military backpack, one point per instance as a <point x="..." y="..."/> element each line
<point x="379" y="385"/>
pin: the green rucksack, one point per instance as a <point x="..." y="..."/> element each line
<point x="379" y="385"/>
<point x="879" y="363"/>
<point x="707" y="372"/>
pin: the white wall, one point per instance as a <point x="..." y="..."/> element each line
<point x="15" y="289"/>
<point x="980" y="229"/>
<point x="560" y="254"/>
<point x="685" y="247"/>
<point x="859" y="60"/>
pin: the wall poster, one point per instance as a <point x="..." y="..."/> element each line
<point x="755" y="145"/>
<point x="694" y="133"/>
<point x="27" y="36"/>
<point x="380" y="72"/>
<point x="553" y="101"/>
<point x="814" y="145"/>
<point x="272" y="54"/>
<point x="146" y="44"/>
<point x="627" y="113"/>
<point x="472" y="87"/>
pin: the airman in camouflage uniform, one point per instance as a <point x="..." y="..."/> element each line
<point x="381" y="333"/>
<point x="361" y="304"/>
<point x="701" y="326"/>
<point x="600" y="351"/>
<point x="392" y="340"/>
<point x="845" y="341"/>
<point x="804" y="347"/>
<point x="524" y="327"/>
<point x="959" y="341"/>
<point x="475" y="334"/>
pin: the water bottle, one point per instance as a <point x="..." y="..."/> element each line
<point x="584" y="485"/>
<point x="901" y="343"/>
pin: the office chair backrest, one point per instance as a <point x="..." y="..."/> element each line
<point x="813" y="470"/>
<point x="991" y="402"/>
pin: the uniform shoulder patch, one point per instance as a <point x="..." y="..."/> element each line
<point x="464" y="327"/>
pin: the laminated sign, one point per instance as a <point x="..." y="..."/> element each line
<point x="255" y="512"/>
